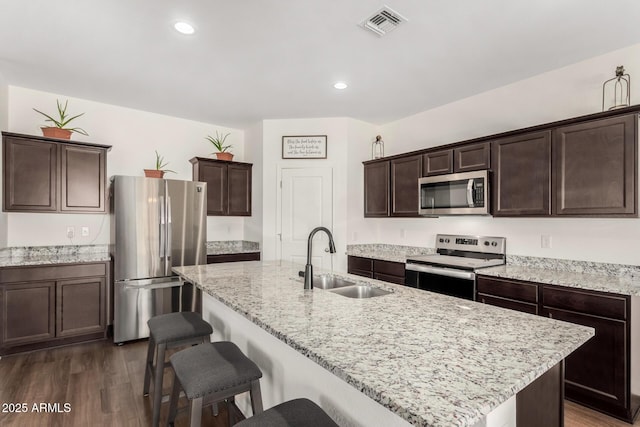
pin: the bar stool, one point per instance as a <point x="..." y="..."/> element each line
<point x="294" y="413"/>
<point x="170" y="331"/>
<point x="211" y="373"/>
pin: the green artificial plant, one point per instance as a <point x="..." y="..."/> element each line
<point x="63" y="120"/>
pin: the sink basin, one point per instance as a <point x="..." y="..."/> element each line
<point x="359" y="291"/>
<point x="328" y="281"/>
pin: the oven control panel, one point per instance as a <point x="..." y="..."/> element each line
<point x="494" y="245"/>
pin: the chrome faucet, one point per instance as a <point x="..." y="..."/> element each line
<point x="308" y="269"/>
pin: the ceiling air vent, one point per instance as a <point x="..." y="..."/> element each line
<point x="383" y="21"/>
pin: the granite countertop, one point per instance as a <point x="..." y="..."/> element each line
<point x="432" y="359"/>
<point x="597" y="276"/>
<point x="594" y="281"/>
<point x="47" y="255"/>
<point x="223" y="247"/>
<point x="386" y="252"/>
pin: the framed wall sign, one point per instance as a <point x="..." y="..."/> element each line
<point x="304" y="147"/>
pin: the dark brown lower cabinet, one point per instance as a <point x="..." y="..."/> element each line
<point x="45" y="306"/>
<point x="376" y="269"/>
<point x="248" y="256"/>
<point x="28" y="313"/>
<point x="598" y="373"/>
<point x="80" y="307"/>
<point x="520" y="296"/>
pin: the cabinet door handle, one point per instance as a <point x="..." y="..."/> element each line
<point x="483" y="301"/>
<point x="550" y="315"/>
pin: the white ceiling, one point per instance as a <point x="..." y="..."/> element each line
<point x="267" y="59"/>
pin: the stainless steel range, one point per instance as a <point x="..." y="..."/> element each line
<point x="452" y="269"/>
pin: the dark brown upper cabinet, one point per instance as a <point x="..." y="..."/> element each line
<point x="472" y="157"/>
<point x="82" y="180"/>
<point x="521" y="184"/>
<point x="49" y="175"/>
<point x="466" y="158"/>
<point x="596" y="168"/>
<point x="405" y="173"/>
<point x="437" y="163"/>
<point x="376" y="189"/>
<point x="581" y="167"/>
<point x="228" y="186"/>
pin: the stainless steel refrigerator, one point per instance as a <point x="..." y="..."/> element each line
<point x="156" y="224"/>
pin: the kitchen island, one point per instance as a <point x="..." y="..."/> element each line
<point x="429" y="359"/>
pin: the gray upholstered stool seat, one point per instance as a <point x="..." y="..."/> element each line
<point x="178" y="326"/>
<point x="169" y="331"/>
<point x="211" y="373"/>
<point x="294" y="413"/>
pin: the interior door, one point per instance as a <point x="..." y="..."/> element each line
<point x="306" y="203"/>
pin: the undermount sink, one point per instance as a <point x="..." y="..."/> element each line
<point x="328" y="281"/>
<point x="359" y="291"/>
<point x="344" y="287"/>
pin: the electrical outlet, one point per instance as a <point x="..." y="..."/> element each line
<point x="70" y="232"/>
<point x="545" y="241"/>
<point x="402" y="233"/>
<point x="84" y="231"/>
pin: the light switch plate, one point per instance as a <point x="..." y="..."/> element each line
<point x="84" y="231"/>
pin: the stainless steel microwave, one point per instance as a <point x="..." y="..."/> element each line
<point x="464" y="193"/>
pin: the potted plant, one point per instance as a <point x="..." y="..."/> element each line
<point x="160" y="170"/>
<point x="59" y="127"/>
<point x="218" y="143"/>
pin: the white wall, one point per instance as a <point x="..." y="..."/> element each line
<point x="563" y="93"/>
<point x="4" y="120"/>
<point x="254" y="153"/>
<point x="134" y="135"/>
<point x="338" y="141"/>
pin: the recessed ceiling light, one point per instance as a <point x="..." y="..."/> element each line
<point x="184" y="28"/>
<point x="340" y="85"/>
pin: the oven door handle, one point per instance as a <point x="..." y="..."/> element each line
<point x="458" y="274"/>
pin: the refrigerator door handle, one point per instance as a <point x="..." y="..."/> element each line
<point x="169" y="238"/>
<point x="162" y="228"/>
<point x="160" y="285"/>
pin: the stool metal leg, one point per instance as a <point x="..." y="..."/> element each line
<point x="147" y="367"/>
<point x="196" y="412"/>
<point x="173" y="403"/>
<point x="256" y="397"/>
<point x="157" y="384"/>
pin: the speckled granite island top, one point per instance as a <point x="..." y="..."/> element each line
<point x="434" y="360"/>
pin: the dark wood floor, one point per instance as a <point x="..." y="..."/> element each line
<point x="102" y="383"/>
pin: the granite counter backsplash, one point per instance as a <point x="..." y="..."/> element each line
<point x="61" y="254"/>
<point x="221" y="247"/>
<point x="385" y="252"/>
<point x="595" y="276"/>
<point x="598" y="276"/>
